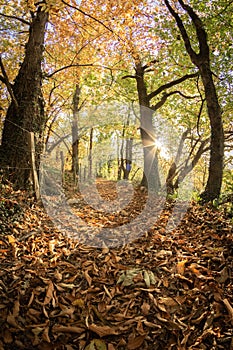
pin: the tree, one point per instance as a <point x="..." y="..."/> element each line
<point x="201" y="60"/>
<point x="26" y="110"/>
<point x="75" y="132"/>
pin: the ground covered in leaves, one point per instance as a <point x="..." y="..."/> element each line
<point x="162" y="291"/>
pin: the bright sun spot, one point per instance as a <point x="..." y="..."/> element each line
<point x="162" y="150"/>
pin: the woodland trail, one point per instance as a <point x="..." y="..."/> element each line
<point x="161" y="291"/>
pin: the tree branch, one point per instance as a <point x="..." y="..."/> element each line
<point x="17" y="18"/>
<point x="171" y="84"/>
<point x="55" y="144"/>
<point x="129" y="76"/>
<point x="88" y="15"/>
<point x="8" y="84"/>
<point x="149" y="64"/>
<point x="183" y="32"/>
<point x="76" y="65"/>
<point x="165" y="96"/>
<point x="201" y="33"/>
<point x="2" y="79"/>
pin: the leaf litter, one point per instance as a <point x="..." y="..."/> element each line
<point x="162" y="291"/>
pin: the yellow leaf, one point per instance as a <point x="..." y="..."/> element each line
<point x="146" y="278"/>
<point x="11" y="239"/>
<point x="78" y="302"/>
<point x="181" y="266"/>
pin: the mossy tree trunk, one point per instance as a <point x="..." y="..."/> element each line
<point x="26" y="111"/>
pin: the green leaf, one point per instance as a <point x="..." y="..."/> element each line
<point x="96" y="344"/>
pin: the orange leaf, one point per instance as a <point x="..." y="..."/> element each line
<point x="194" y="270"/>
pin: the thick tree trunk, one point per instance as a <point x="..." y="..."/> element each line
<point x="214" y="182"/>
<point x="27" y="115"/>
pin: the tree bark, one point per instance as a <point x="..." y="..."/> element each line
<point x="27" y="115"/>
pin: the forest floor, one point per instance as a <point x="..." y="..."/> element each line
<point x="161" y="291"/>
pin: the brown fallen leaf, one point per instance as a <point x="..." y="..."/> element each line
<point x="68" y="329"/>
<point x="136" y="342"/>
<point x="45" y="335"/>
<point x="145" y="308"/>
<point x="102" y="331"/>
<point x="88" y="278"/>
<point x="49" y="293"/>
<point x="229" y="309"/>
<point x="16" y="308"/>
<point x="12" y="321"/>
<point x="7" y="337"/>
<point x="223" y="275"/>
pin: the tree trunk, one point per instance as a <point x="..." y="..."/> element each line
<point x="90" y="172"/>
<point x="214" y="182"/>
<point x="129" y="157"/>
<point x="151" y="178"/>
<point x="75" y="134"/>
<point x="27" y="115"/>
